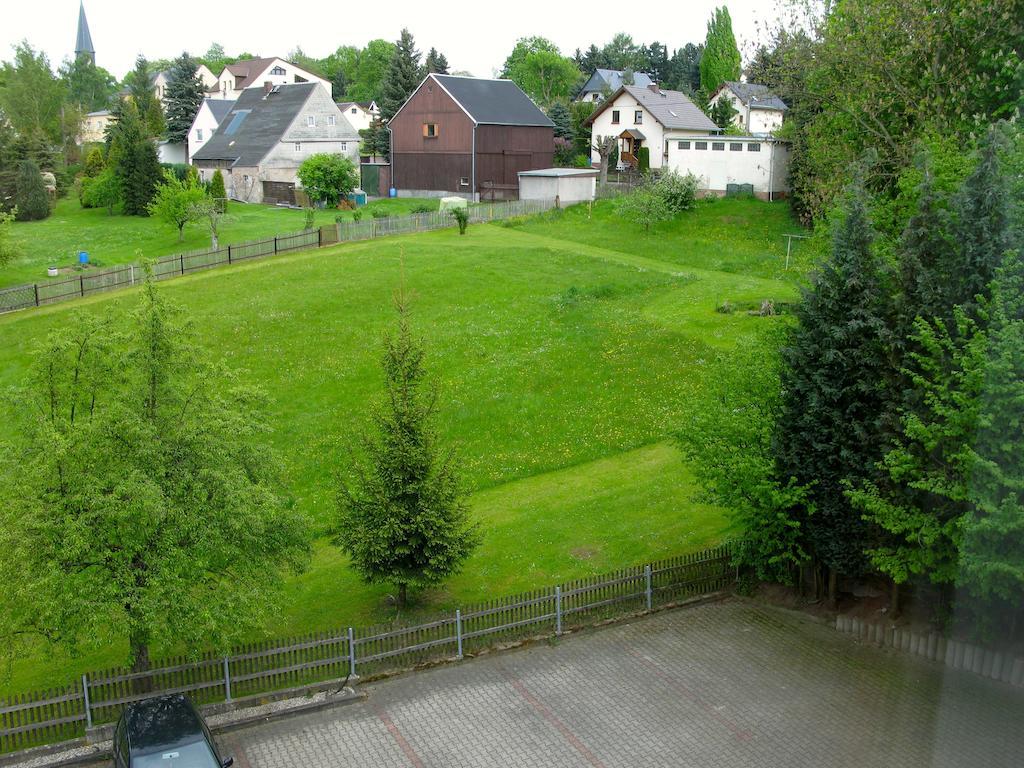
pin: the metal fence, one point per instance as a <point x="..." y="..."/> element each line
<point x="59" y="714"/>
<point x="87" y="283"/>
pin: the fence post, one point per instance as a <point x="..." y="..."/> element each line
<point x="229" y="253"/>
<point x="131" y="267"/>
<point x="320" y="237"/>
<point x="558" y="610"/>
<point x="647" y="581"/>
<point x="81" y="284"/>
<point x="85" y="695"/>
<point x="458" y="629"/>
<point x="227" y="680"/>
<point x="275" y="243"/>
<point x="36" y="286"/>
<point x="351" y="651"/>
<point x="181" y="260"/>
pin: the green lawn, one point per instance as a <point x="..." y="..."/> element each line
<point x="566" y="351"/>
<point x="117" y="239"/>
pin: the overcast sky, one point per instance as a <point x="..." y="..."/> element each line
<point x="474" y="36"/>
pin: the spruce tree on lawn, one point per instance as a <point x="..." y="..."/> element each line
<point x="217" y="191"/>
<point x="139" y="501"/>
<point x="184" y="96"/>
<point x="403" y="515"/>
<point x="401" y="77"/>
<point x="134" y="158"/>
<point x="834" y="383"/>
<point x="140" y="88"/>
<point x="30" y="196"/>
<point x="562" y="118"/>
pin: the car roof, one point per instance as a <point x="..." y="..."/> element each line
<point x="161" y="721"/>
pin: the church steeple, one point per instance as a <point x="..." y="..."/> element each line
<point x="83" y="45"/>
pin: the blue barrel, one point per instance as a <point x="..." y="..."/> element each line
<point x="83" y="257"/>
<point x="392" y="192"/>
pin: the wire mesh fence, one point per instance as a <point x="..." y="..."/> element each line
<point x="88" y="282"/>
<point x="58" y="714"/>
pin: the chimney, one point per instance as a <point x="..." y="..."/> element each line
<point x="267" y="85"/>
<point x="653" y="88"/>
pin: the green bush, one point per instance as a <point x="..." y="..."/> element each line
<point x="643" y="159"/>
<point x="327" y="178"/>
<point x="217" y="191"/>
<point x="357" y="215"/>
<point x="30" y="197"/>
<point x="379" y="213"/>
<point x="180" y="170"/>
<point x="678" y="192"/>
<point x="462" y="217"/>
<point x="422" y="208"/>
<point x="581" y="161"/>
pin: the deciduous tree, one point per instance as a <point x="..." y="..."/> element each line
<point x="175" y="201"/>
<point x="327" y="178"/>
<point x="538" y="67"/>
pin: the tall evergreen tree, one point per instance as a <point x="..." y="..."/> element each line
<point x="402" y="76"/>
<point x="562" y="118"/>
<point x="721" y="58"/>
<point x="436" y="62"/>
<point x="834" y="375"/>
<point x="403" y="518"/>
<point x="134" y="158"/>
<point x="30" y="198"/>
<point x="184" y="96"/>
<point x="140" y="89"/>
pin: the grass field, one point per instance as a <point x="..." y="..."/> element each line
<point x="111" y="240"/>
<point x="566" y="350"/>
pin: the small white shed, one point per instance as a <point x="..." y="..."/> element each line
<point x="567" y="185"/>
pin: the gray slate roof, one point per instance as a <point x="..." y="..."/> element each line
<point x="756" y="96"/>
<point x="220" y="108"/>
<point x="495" y="102"/>
<point x="261" y="122"/>
<point x="83" y="43"/>
<point x="612" y="80"/>
<point x="673" y="109"/>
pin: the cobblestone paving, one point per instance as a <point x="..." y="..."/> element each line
<point x="723" y="684"/>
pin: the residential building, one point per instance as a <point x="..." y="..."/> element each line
<point x="468" y="136"/>
<point x="256" y="73"/>
<point x="94" y="127"/>
<point x="161" y="79"/>
<point x="758" y="110"/>
<point x="722" y="161"/>
<point x="210" y="115"/>
<point x="263" y="139"/>
<point x="359" y="113"/>
<point x="605" y="82"/>
<point x="647" y="117"/>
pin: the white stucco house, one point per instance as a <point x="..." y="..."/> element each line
<point x="720" y="161"/>
<point x="265" y="136"/>
<point x="359" y="113"/>
<point x="161" y="79"/>
<point x="256" y="73"/>
<point x="647" y="117"/>
<point x="758" y="110"/>
<point x="211" y="113"/>
<point x="94" y="127"/>
<point x="607" y="81"/>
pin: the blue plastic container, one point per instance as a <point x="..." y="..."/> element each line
<point x="83" y="257"/>
<point x="392" y="192"/>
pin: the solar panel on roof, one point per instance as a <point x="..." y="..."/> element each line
<point x="236" y="121"/>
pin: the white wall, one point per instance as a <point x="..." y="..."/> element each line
<point x="766" y="169"/>
<point x="171" y="153"/>
<point x="227" y="82"/>
<point x="568" y="189"/>
<point x="358" y="117"/>
<point x="750" y="120"/>
<point x="653" y="131"/>
<point x="202" y="129"/>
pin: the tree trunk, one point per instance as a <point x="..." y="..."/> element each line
<point x="604" y="170"/>
<point x="140" y="662"/>
<point x="833" y="588"/>
<point x="402" y="594"/>
<point x="894" y="600"/>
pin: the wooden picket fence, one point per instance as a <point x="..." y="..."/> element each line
<point x="52" y="715"/>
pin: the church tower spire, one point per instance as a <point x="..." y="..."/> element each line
<point x="83" y="45"/>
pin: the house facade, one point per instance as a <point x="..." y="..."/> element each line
<point x="263" y="139"/>
<point x="467" y="136"/>
<point x="256" y="73"/>
<point x="359" y="113"/>
<point x="94" y="127"/>
<point x="647" y="117"/>
<point x="211" y="113"/>
<point x="720" y="161"/>
<point x="758" y="110"/>
<point x="162" y="78"/>
<point x="607" y="81"/>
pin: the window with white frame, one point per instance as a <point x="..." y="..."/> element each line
<point x="298" y="147"/>
<point x="344" y="146"/>
<point x="277" y="71"/>
<point x="199" y="134"/>
<point x="330" y="120"/>
<point x="684" y="145"/>
<point x="310" y="121"/>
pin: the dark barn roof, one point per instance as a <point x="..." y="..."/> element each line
<point x="494" y="102"/>
<point x="255" y="123"/>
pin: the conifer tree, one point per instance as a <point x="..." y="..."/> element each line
<point x="185" y="92"/>
<point x="562" y="118"/>
<point x="140" y="88"/>
<point x="403" y="516"/>
<point x="436" y="63"/>
<point x="834" y="391"/>
<point x="721" y="58"/>
<point x="134" y="158"/>
<point x="30" y="198"/>
<point x="217" y="191"/>
<point x="402" y="76"/>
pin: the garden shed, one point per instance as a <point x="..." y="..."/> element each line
<point x="567" y="185"/>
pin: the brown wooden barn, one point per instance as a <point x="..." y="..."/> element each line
<point x="469" y="136"/>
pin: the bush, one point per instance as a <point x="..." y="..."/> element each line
<point x="94" y="163"/>
<point x="339" y="218"/>
<point x="180" y="170"/>
<point x="645" y="207"/>
<point x="327" y="178"/>
<point x="565" y="153"/>
<point x="309" y="218"/>
<point x="379" y="213"/>
<point x="581" y="161"/>
<point x="218" y="192"/>
<point x="678" y="192"/>
<point x="462" y="217"/>
<point x="104" y="191"/>
<point x="643" y="159"/>
<point x="357" y="215"/>
<point x="422" y="208"/>
<point x="30" y="197"/>
<point x="725" y="308"/>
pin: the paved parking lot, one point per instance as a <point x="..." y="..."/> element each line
<point x="722" y="684"/>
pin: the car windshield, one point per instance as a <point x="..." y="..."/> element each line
<point x="195" y="755"/>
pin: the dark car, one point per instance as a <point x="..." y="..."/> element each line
<point x="165" y="732"/>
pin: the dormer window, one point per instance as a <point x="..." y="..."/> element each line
<point x="277" y="71"/>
